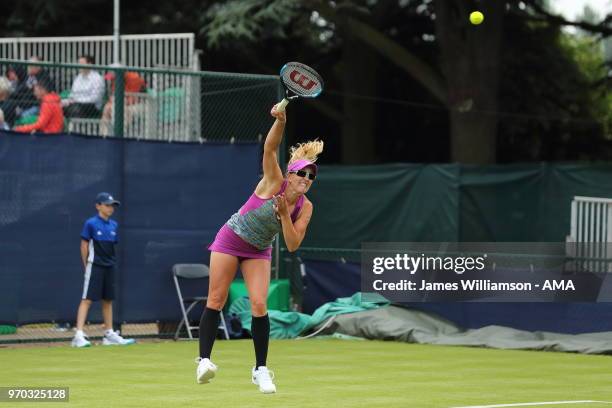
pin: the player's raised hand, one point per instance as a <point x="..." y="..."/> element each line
<point x="280" y="206"/>
<point x="281" y="116"/>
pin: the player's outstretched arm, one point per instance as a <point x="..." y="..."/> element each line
<point x="273" y="174"/>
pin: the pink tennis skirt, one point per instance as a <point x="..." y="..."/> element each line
<point x="228" y="242"/>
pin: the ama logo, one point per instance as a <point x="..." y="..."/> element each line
<point x="563" y="285"/>
<point x="302" y="80"/>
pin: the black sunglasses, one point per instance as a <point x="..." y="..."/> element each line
<point x="302" y="173"/>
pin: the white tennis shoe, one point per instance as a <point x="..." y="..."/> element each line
<point x="206" y="370"/>
<point x="263" y="377"/>
<point x="113" y="338"/>
<point x="79" y="340"/>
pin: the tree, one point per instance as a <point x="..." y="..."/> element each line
<point x="464" y="78"/>
<point x="406" y="80"/>
<point x="56" y="18"/>
<point x="470" y="59"/>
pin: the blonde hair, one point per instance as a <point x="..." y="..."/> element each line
<point x="308" y="151"/>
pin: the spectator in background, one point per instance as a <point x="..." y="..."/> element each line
<point x="87" y="91"/>
<point x="35" y="74"/>
<point x="7" y="106"/>
<point x="3" y="124"/>
<point x="51" y="118"/>
<point x="133" y="83"/>
<point x="16" y="75"/>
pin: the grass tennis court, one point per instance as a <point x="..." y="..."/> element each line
<point x="310" y="373"/>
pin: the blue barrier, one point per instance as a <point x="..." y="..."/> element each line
<point x="326" y="281"/>
<point x="174" y="199"/>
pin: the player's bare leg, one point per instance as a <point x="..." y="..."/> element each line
<point x="223" y="268"/>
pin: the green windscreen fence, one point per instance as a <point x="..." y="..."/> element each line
<point x="449" y="202"/>
<point x="173" y="105"/>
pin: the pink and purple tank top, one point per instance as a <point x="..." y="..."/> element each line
<point x="251" y="231"/>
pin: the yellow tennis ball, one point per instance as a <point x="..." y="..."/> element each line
<point x="476" y="17"/>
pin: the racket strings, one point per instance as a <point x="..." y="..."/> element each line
<point x="301" y="80"/>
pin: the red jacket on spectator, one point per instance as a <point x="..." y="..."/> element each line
<point x="51" y="117"/>
<point x="133" y="83"/>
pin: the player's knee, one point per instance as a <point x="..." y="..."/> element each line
<point x="86" y="302"/>
<point x="215" y="301"/>
<point x="258" y="307"/>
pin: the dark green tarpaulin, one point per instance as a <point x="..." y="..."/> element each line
<point x="288" y="325"/>
<point x="449" y="202"/>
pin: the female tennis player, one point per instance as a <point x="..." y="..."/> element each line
<point x="277" y="204"/>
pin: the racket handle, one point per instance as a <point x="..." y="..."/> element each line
<point x="282" y="104"/>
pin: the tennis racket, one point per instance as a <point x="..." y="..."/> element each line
<point x="299" y="80"/>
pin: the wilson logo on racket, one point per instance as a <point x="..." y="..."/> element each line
<point x="299" y="80"/>
<point x="302" y="80"/>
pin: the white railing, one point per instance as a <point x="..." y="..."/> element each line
<point x="591" y="219"/>
<point x="137" y="50"/>
<point x="149" y="116"/>
<point x="591" y="232"/>
<point x="84" y="126"/>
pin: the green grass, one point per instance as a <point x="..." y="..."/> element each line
<point x="310" y="373"/>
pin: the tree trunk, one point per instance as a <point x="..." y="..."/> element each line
<point x="359" y="78"/>
<point x="470" y="61"/>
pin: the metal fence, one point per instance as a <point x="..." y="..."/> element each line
<point x="140" y="103"/>
<point x="164" y="51"/>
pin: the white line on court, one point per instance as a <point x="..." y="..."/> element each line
<point x="528" y="404"/>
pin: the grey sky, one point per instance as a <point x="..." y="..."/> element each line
<point x="573" y="8"/>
